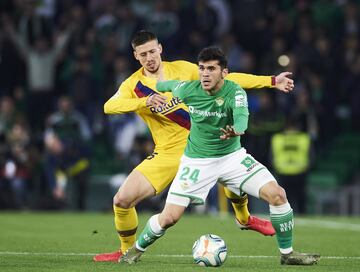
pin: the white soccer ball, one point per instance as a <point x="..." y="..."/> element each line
<point x="209" y="250"/>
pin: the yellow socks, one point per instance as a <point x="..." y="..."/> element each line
<point x="126" y="223"/>
<point x="240" y="206"/>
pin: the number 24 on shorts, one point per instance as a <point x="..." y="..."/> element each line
<point x="189" y="174"/>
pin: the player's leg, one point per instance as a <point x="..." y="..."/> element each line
<point x="237" y="166"/>
<point x="154" y="229"/>
<point x="152" y="176"/>
<point x="240" y="206"/>
<point x="281" y="215"/>
<point x="252" y="177"/>
<point x="192" y="184"/>
<point x="135" y="188"/>
<point x="243" y="218"/>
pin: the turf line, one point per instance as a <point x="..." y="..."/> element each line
<point x="163" y="255"/>
<point x="326" y="224"/>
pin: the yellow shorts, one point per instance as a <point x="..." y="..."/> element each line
<point x="160" y="168"/>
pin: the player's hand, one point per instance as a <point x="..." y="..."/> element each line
<point x="283" y="82"/>
<point x="156" y="100"/>
<point x="229" y="132"/>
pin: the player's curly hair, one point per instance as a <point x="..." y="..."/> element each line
<point x="213" y="53"/>
<point x="141" y="37"/>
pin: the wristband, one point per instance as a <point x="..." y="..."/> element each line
<point x="273" y="80"/>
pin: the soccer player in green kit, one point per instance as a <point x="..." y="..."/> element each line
<point x="219" y="115"/>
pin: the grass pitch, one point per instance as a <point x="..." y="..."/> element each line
<point x="34" y="242"/>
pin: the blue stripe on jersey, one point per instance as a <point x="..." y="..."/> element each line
<point x="142" y="90"/>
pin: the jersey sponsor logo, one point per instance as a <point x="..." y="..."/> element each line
<point x="207" y="113"/>
<point x="241" y="101"/>
<point x="219" y="101"/>
<point x="167" y="107"/>
<point x="179" y="116"/>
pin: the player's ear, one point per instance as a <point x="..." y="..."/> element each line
<point x="160" y="48"/>
<point x="225" y="72"/>
<point x="135" y="55"/>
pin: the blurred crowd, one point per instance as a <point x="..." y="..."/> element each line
<point x="61" y="60"/>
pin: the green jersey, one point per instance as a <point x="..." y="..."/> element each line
<point x="209" y="113"/>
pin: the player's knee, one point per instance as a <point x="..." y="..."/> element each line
<point x="122" y="201"/>
<point x="273" y="193"/>
<point x="278" y="197"/>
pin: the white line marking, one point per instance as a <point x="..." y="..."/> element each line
<point x="327" y="224"/>
<point x="164" y="255"/>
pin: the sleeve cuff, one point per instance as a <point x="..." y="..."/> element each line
<point x="273" y="81"/>
<point x="143" y="101"/>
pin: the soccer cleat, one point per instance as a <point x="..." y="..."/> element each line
<point x="297" y="258"/>
<point x="131" y="256"/>
<point x="258" y="224"/>
<point x="108" y="257"/>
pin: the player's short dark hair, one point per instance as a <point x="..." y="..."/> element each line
<point x="213" y="53"/>
<point x="141" y="37"/>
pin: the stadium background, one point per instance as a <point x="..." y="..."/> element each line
<point x="81" y="50"/>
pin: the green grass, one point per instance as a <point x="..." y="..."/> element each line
<point x="66" y="242"/>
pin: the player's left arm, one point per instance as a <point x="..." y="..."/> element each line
<point x="281" y="82"/>
<point x="240" y="117"/>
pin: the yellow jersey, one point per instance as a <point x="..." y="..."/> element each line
<point x="169" y="124"/>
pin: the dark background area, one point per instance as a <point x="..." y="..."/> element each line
<point x="61" y="60"/>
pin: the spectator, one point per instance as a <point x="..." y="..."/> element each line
<point x="19" y="164"/>
<point x="291" y="161"/>
<point x="67" y="156"/>
<point x="80" y="81"/>
<point x="41" y="60"/>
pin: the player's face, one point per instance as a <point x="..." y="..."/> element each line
<point x="211" y="75"/>
<point x="149" y="55"/>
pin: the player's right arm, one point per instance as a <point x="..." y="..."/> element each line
<point x="123" y="101"/>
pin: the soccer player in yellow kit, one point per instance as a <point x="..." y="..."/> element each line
<point x="169" y="124"/>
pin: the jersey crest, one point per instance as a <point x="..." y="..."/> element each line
<point x="219" y="101"/>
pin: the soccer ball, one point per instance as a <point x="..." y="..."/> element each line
<point x="209" y="250"/>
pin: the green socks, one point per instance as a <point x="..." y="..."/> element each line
<point x="282" y="220"/>
<point x="150" y="233"/>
